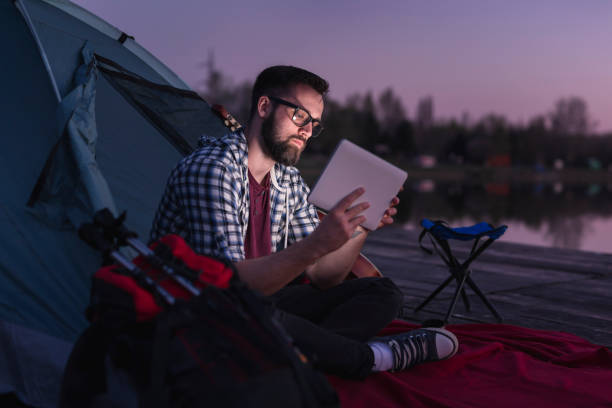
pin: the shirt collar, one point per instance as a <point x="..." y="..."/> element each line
<point x="239" y="141"/>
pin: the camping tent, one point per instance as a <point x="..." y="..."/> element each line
<point x="90" y="120"/>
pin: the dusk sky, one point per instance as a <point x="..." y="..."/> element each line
<point x="514" y="58"/>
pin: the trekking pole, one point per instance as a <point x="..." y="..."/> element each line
<point x="114" y="227"/>
<point x="94" y="237"/>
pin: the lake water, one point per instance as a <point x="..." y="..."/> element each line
<point x="553" y="215"/>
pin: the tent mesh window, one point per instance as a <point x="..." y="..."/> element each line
<point x="182" y="116"/>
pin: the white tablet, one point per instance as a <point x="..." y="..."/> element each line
<point x="351" y="167"/>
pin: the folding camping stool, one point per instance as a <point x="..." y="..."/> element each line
<point x="440" y="234"/>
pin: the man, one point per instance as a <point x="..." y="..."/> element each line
<point x="239" y="197"/>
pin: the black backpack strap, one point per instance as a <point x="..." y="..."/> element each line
<point x="445" y="253"/>
<point x="421" y="236"/>
<point x="428" y="230"/>
<point x="158" y="394"/>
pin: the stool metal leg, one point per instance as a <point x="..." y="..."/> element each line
<point x="459" y="290"/>
<point x="434" y="293"/>
<point x="482" y="296"/>
<point x="460" y="278"/>
<point x="458" y="271"/>
<point x="466" y="300"/>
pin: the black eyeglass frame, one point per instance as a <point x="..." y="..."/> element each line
<point x="316" y="123"/>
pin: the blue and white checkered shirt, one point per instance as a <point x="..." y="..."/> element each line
<point x="206" y="200"/>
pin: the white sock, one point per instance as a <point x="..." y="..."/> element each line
<point x="383" y="356"/>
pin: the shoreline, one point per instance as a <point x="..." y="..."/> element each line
<point x="311" y="167"/>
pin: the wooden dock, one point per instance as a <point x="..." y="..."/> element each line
<point x="536" y="287"/>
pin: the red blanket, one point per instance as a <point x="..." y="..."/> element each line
<point x="497" y="366"/>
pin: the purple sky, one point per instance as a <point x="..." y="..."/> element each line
<point x="510" y="57"/>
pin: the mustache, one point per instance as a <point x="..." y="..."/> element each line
<point x="303" y="140"/>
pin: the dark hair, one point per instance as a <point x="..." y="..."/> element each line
<point x="281" y="77"/>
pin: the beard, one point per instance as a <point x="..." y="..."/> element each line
<point x="283" y="152"/>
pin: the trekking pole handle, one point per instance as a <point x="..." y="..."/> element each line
<point x="94" y="236"/>
<point x="136" y="271"/>
<point x="112" y="225"/>
<point x="124" y="262"/>
<point x="152" y="257"/>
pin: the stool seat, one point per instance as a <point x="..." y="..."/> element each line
<point x="463" y="233"/>
<point x="440" y="233"/>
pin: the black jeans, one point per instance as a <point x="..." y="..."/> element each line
<point x="333" y="325"/>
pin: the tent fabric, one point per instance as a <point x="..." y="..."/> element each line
<point x="182" y="116"/>
<point x="21" y="349"/>
<point x="63" y="36"/>
<point x="127" y="41"/>
<point x="497" y="366"/>
<point x="45" y="270"/>
<point x="71" y="186"/>
<point x="102" y="148"/>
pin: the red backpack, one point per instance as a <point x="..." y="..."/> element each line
<point x="176" y="329"/>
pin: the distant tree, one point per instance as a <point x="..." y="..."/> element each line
<point x="538" y="124"/>
<point x="218" y="88"/>
<point x="570" y="116"/>
<point x="354" y="120"/>
<point x="367" y="121"/>
<point x="497" y="130"/>
<point x="390" y="110"/>
<point x="403" y="139"/>
<point x="456" y="150"/>
<point x="531" y="143"/>
<point x="382" y="125"/>
<point x="424" y="123"/>
<point x="425" y="113"/>
<point x="338" y="124"/>
<point x="493" y="124"/>
<point x="360" y="110"/>
<point x="395" y="131"/>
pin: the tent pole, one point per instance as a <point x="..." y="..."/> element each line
<point x="26" y="16"/>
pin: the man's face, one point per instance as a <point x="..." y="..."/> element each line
<point x="284" y="141"/>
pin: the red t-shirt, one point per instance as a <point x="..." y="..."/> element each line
<point x="258" y="241"/>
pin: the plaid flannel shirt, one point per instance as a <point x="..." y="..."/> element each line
<point x="206" y="200"/>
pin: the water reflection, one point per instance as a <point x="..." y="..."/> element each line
<point x="551" y="214"/>
<point x="568" y="232"/>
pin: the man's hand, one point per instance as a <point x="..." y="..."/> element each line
<point x="340" y="223"/>
<point x="270" y="273"/>
<point x="387" y="218"/>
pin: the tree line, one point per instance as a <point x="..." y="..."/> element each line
<point x="564" y="136"/>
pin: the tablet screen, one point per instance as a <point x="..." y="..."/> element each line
<point x="350" y="167"/>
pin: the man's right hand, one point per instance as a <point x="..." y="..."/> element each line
<point x="339" y="224"/>
<point x="272" y="272"/>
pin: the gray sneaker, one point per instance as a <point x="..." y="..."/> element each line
<point x="420" y="345"/>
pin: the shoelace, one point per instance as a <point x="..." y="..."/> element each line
<point x="409" y="350"/>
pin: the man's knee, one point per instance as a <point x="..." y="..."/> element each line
<point x="389" y="293"/>
<point x="394" y="292"/>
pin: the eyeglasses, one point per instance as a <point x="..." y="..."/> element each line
<point x="301" y="117"/>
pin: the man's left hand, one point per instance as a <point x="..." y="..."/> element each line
<point x="387" y="218"/>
